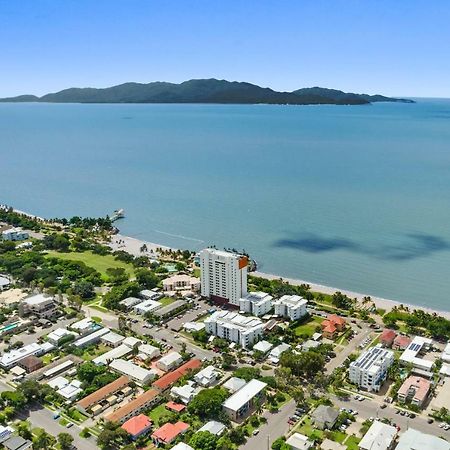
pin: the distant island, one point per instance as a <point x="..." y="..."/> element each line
<point x="205" y="91"/>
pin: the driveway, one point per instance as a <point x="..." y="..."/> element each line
<point x="43" y="418"/>
<point x="275" y="427"/>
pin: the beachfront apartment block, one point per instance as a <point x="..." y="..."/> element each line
<point x="40" y="305"/>
<point x="291" y="307"/>
<point x="234" y="327"/>
<point x="15" y="234"/>
<point x="256" y="303"/>
<point x="223" y="276"/>
<point x="180" y="283"/>
<point x="370" y="369"/>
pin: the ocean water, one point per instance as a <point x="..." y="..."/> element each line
<point x="356" y="197"/>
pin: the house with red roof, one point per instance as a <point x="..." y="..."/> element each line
<point x="169" y="432"/>
<point x="387" y="337"/>
<point x="401" y="342"/>
<point x="177" y="407"/>
<point x="137" y="426"/>
<point x="332" y="325"/>
<point x="171" y="378"/>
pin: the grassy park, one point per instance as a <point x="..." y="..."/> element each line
<point x="98" y="262"/>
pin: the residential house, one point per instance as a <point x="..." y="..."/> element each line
<point x="137" y="426"/>
<point x="387" y="337"/>
<point x="30" y="363"/>
<point x="263" y="347"/>
<point x="413" y="439"/>
<point x="207" y="376"/>
<point x="138" y="374"/>
<point x="233" y="384"/>
<point x="380" y="436"/>
<point x="299" y="441"/>
<point x="214" y="427"/>
<point x="169" y="361"/>
<point x="401" y="342"/>
<point x="185" y="393"/>
<point x="324" y="417"/>
<point x="332" y="325"/>
<point x="169" y="432"/>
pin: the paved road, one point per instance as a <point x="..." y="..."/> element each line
<point x="370" y="408"/>
<point x="43" y="418"/>
<point x="275" y="427"/>
<point x="352" y="346"/>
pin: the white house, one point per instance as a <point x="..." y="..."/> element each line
<point x="369" y="370"/>
<point x="299" y="441"/>
<point x="274" y="355"/>
<point x="207" y="376"/>
<point x="129" y="302"/>
<point x="256" y="303"/>
<point x="121" y="351"/>
<point x="379" y="436"/>
<point x="234" y="327"/>
<point x="233" y="384"/>
<point x="112" y="339"/>
<point x="11" y="358"/>
<point x="169" y="362"/>
<point x="413" y="439"/>
<point x="40" y="305"/>
<point x="413" y="352"/>
<point x="137" y="373"/>
<point x="55" y="336"/>
<point x="185" y="393"/>
<point x="263" y="347"/>
<point x="15" y="234"/>
<point x="291" y="307"/>
<point x="446" y="354"/>
<point x="92" y="338"/>
<point x="148" y="351"/>
<point x="146" y="306"/>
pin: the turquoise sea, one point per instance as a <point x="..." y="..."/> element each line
<point x="356" y="197"/>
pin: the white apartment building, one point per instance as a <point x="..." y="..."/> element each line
<point x="256" y="303"/>
<point x="223" y="276"/>
<point x="291" y="307"/>
<point x="14" y="234"/>
<point x="234" y="327"/>
<point x="370" y="369"/>
<point x="40" y="305"/>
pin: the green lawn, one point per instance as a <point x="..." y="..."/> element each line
<point x="352" y="443"/>
<point x="98" y="262"/>
<point x="307" y="429"/>
<point x="338" y="436"/>
<point x="308" y="328"/>
<point x="92" y="352"/>
<point x="157" y="413"/>
<point x="166" y="301"/>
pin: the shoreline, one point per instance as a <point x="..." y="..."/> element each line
<point x="133" y="245"/>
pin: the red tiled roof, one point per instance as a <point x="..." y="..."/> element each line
<point x="135" y="404"/>
<point x="337" y="320"/>
<point x="169" y="431"/>
<point x="104" y="392"/>
<point x="172" y="377"/>
<point x="328" y="327"/>
<point x="388" y="335"/>
<point x="402" y="341"/>
<point x="175" y="406"/>
<point x="136" y="425"/>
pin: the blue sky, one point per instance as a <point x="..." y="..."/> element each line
<point x="397" y="47"/>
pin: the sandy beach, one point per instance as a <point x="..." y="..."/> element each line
<point x="133" y="246"/>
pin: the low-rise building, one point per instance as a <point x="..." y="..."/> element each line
<point x="5" y="433"/>
<point x="291" y="307"/>
<point x="233" y="384"/>
<point x="446" y="354"/>
<point x="414" y="390"/>
<point x="185" y="393"/>
<point x="299" y="441"/>
<point x="263" y="347"/>
<point x="137" y="373"/>
<point x="416" y="349"/>
<point x="387" y="337"/>
<point x="131" y="341"/>
<point x="71" y="391"/>
<point x="15" y="234"/>
<point x="150" y="294"/>
<point x="256" y="303"/>
<point x="181" y="282"/>
<point x="86" y="404"/>
<point x="234" y="327"/>
<point x="5" y="283"/>
<point x="85" y="326"/>
<point x="243" y="402"/>
<point x="169" y="432"/>
<point x="107" y="358"/>
<point x="129" y="302"/>
<point x="91" y="339"/>
<point x="58" y="368"/>
<point x="167" y="380"/>
<point x="324" y="417"/>
<point x="194" y="326"/>
<point x="214" y="427"/>
<point x="369" y="370"/>
<point x="39" y="305"/>
<point x="55" y="336"/>
<point x="380" y="436"/>
<point x="275" y="353"/>
<point x="401" y="342"/>
<point x="141" y="403"/>
<point x="169" y="362"/>
<point x="30" y="363"/>
<point x="17" y="443"/>
<point x="413" y="439"/>
<point x="332" y="325"/>
<point x="112" y="339"/>
<point x="13" y="357"/>
<point x="137" y="426"/>
<point x="207" y="376"/>
<point x="147" y="351"/>
<point x="146" y="306"/>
